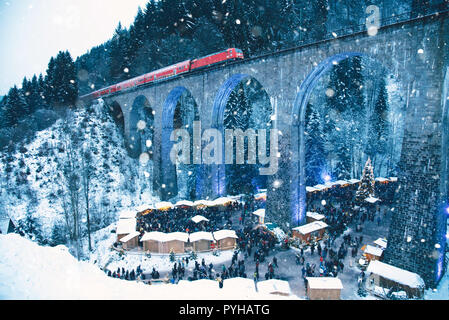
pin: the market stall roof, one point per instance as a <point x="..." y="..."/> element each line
<point x="201" y="235"/>
<point x="324" y="283"/>
<point x="393" y="179"/>
<point x="154" y="235"/>
<point x="274" y="286"/>
<point x="311" y="189"/>
<point x="315" y="215"/>
<point x="222" y="201"/>
<point x="126" y="226"/>
<point x="375" y="251"/>
<point x="381" y="243"/>
<point x="198" y="219"/>
<point x="311" y="227"/>
<point x="321" y="187"/>
<point x="260" y="213"/>
<point x="260" y="196"/>
<point x="353" y="181"/>
<point x="381" y="179"/>
<point x="395" y="274"/>
<point x="144" y="207"/>
<point x="179" y="236"/>
<point x="130" y="236"/>
<point x="205" y="203"/>
<point x="341" y="182"/>
<point x="184" y="203"/>
<point x="164" y="205"/>
<point x="239" y="284"/>
<point x="222" y="234"/>
<point x="127" y="214"/>
<point x="372" y="200"/>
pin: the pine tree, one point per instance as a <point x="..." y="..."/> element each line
<point x="315" y="152"/>
<point x="15" y="107"/>
<point x="366" y="188"/>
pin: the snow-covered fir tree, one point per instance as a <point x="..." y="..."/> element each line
<point x="366" y="188"/>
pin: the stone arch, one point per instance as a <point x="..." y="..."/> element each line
<point x="174" y="116"/>
<point x="116" y="112"/>
<point x="140" y="127"/>
<point x="298" y="121"/>
<point x="219" y="174"/>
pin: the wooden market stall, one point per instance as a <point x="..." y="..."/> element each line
<point x="125" y="227"/>
<point x="381" y="243"/>
<point x="201" y="241"/>
<point x="314" y="216"/>
<point x="324" y="288"/>
<point x="175" y="241"/>
<point x="372" y="253"/>
<point x="152" y="241"/>
<point x="383" y="277"/>
<point x="311" y="231"/>
<point x="226" y="239"/>
<point x="130" y="241"/>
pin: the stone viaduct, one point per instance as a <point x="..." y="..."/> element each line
<point x="415" y="52"/>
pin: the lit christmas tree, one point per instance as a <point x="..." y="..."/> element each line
<point x="366" y="188"/>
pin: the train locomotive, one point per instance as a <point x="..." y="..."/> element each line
<point x="168" y="72"/>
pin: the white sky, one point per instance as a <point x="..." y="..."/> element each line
<point x="31" y="31"/>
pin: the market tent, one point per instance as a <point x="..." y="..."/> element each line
<point x="324" y="288"/>
<point x="372" y="253"/>
<point x="203" y="203"/>
<point x="125" y="227"/>
<point x="226" y="239"/>
<point x="260" y="196"/>
<point x="381" y="179"/>
<point x="164" y="206"/>
<point x="372" y="200"/>
<point x="198" y="219"/>
<point x="261" y="214"/>
<point x="311" y="189"/>
<point x="130" y="241"/>
<point x="223" y="201"/>
<point x="353" y="181"/>
<point x="184" y="203"/>
<point x="274" y="286"/>
<point x="321" y="187"/>
<point x="393" y="179"/>
<point x="201" y="241"/>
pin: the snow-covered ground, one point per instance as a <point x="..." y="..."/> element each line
<point x="30" y="271"/>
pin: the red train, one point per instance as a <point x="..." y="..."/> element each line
<point x="168" y="72"/>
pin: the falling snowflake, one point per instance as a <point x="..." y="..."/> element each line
<point x="141" y="125"/>
<point x="144" y="158"/>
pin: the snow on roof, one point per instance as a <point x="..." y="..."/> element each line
<point x="223" y="234"/>
<point x="396" y="274"/>
<point x="372" y="200"/>
<point x="203" y="203"/>
<point x="381" y="179"/>
<point x="186" y="203"/>
<point x="381" y="243"/>
<point x="321" y="187"/>
<point x="164" y="205"/>
<point x="201" y="235"/>
<point x="130" y="236"/>
<point x="311" y="227"/>
<point x="324" y="283"/>
<point x="261" y="195"/>
<point x="127" y="214"/>
<point x="274" y="286"/>
<point x="353" y="181"/>
<point x="144" y="207"/>
<point x="178" y="236"/>
<point x="222" y="201"/>
<point x="154" y="235"/>
<point x="199" y="218"/>
<point x="315" y="215"/>
<point x="375" y="251"/>
<point x="239" y="284"/>
<point x="311" y="189"/>
<point x="393" y="179"/>
<point x="260" y="213"/>
<point x="126" y="226"/>
<point x="341" y="182"/>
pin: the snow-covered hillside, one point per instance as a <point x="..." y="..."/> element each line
<point x="34" y="176"/>
<point x="30" y="271"/>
